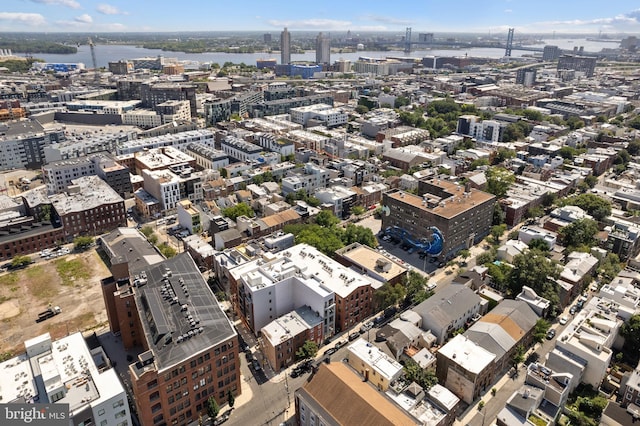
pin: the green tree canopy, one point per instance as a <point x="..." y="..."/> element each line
<point x="212" y="407"/>
<point x="240" y="209"/>
<point x="358" y="234"/>
<point x="631" y="332"/>
<point x="308" y="350"/>
<point x="82" y="242"/>
<point x="499" y="180"/>
<point x="327" y="219"/>
<point x="594" y="205"/>
<point x="540" y="330"/>
<point x="534" y="270"/>
<point x="425" y="378"/>
<point x="389" y="295"/>
<point x="579" y="233"/>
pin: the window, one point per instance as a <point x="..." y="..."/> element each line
<point x="101" y="412"/>
<point x="122" y="413"/>
<point x="118" y="403"/>
<point x="103" y="423"/>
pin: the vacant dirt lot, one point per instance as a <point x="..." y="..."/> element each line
<point x="71" y="282"/>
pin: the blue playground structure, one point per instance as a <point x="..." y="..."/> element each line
<point x="431" y="247"/>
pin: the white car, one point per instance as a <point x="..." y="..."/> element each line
<point x="563" y="320"/>
<point x="431" y="286"/>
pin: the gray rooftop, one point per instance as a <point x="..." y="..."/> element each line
<point x="449" y="304"/>
<point x="130" y="246"/>
<point x="179" y="313"/>
<point x="92" y="192"/>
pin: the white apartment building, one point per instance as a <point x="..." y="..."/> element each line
<point x="312" y="178"/>
<point x="272" y="143"/>
<point x="176" y="140"/>
<point x="65" y="371"/>
<point x="482" y="130"/>
<point x="339" y="197"/>
<point x="142" y="118"/>
<point x="589" y="338"/>
<point x="164" y="186"/>
<point x="240" y="149"/>
<point x="207" y="157"/>
<point x="327" y="114"/>
<point x="274" y="285"/>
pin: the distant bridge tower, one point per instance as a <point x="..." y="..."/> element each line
<point x="407" y="40"/>
<point x="507" y="51"/>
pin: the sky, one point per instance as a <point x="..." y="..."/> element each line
<point x="490" y="16"/>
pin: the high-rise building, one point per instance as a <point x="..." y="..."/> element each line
<point x="285" y="47"/>
<point x="266" y="37"/>
<point x="526" y="76"/>
<point x="323" y="49"/>
<point x="584" y="64"/>
<point x="551" y="53"/>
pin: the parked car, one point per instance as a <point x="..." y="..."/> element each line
<point x="256" y="365"/>
<point x="431" y="286"/>
<point x="551" y="334"/>
<point x="353" y="336"/>
<point x="573" y="310"/>
<point x="330" y="351"/>
<point x="366" y="327"/>
<point x="564" y="320"/>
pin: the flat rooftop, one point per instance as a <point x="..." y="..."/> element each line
<point x="179" y="313"/>
<point x="93" y="192"/>
<point x="467" y="354"/>
<point x="369" y="259"/>
<point x="386" y="366"/>
<point x="456" y="203"/>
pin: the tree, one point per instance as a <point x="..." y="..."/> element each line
<point x="610" y="267"/>
<point x="327" y="240"/>
<point x="153" y="238"/>
<point x="308" y="350"/>
<point x="212" y="408"/>
<point x="167" y="251"/>
<point x="591" y="181"/>
<point x="634" y="147"/>
<point x="401" y="101"/>
<point x="631" y="332"/>
<point x="416" y="288"/>
<point x="596" y="206"/>
<point x="82" y="242"/>
<point x="231" y="400"/>
<point x="579" y="233"/>
<point x="20" y="261"/>
<point x="503" y="155"/>
<point x="534" y="270"/>
<point x="358" y="234"/>
<point x="362" y="109"/>
<point x="574" y="123"/>
<point x="486" y="257"/>
<point x="240" y="209"/>
<point x="539" y="244"/>
<point x="540" y="330"/>
<point x="497" y="231"/>
<point x="464" y="255"/>
<point x="327" y="219"/>
<point x="499" y="180"/>
<point x="498" y="214"/>
<point x="518" y="356"/>
<point x="389" y="295"/>
<point x="146" y="230"/>
<point x="536" y="211"/>
<point x="425" y="378"/>
<point x="357" y="210"/>
<point x="499" y="274"/>
<point x="257" y="179"/>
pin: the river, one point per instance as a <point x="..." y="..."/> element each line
<point x="106" y="53"/>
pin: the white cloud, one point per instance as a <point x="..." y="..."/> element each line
<point x="387" y="20"/>
<point x="323" y="24"/>
<point x="629" y="22"/>
<point x="84" y="19"/>
<point x="73" y="4"/>
<point x="31" y="19"/>
<point x="107" y="9"/>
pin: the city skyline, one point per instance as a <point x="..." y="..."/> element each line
<point x="542" y="16"/>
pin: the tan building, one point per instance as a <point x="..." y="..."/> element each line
<point x="373" y="364"/>
<point x="462" y="214"/>
<point x="371" y="263"/>
<point x="336" y="395"/>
